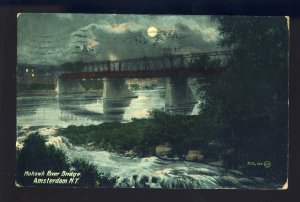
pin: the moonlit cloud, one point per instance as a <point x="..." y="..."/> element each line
<point x="58" y="38"/>
<point x="121" y="28"/>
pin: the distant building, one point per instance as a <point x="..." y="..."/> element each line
<point x="26" y="71"/>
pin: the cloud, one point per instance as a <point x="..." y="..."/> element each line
<point x="58" y="38"/>
<point x="120" y="28"/>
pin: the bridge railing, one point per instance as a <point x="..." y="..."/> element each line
<point x="194" y="60"/>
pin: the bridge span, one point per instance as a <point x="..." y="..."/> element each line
<point x="196" y="64"/>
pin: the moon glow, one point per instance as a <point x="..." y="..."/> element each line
<point x="152" y="31"/>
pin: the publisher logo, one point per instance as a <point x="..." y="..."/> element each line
<point x="267" y="164"/>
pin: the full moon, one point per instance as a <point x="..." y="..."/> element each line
<point x="152" y="31"/>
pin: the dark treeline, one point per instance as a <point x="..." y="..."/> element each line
<point x="35" y="86"/>
<point x="247" y="107"/>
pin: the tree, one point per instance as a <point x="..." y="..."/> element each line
<point x="38" y="157"/>
<point x="90" y="177"/>
<point x="248" y="105"/>
<point x="89" y="173"/>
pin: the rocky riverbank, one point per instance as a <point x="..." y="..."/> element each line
<point x="165" y="152"/>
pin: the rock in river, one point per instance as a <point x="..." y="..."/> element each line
<point x="163" y="151"/>
<point x="194" y="155"/>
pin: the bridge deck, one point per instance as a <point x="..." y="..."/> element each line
<point x="196" y="64"/>
<point x="143" y="73"/>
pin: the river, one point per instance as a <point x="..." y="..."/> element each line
<point x="46" y="114"/>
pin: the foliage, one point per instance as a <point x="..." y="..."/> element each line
<point x="205" y="62"/>
<point x="89" y="173"/>
<point x="247" y="105"/>
<point x="143" y="135"/>
<point x="181" y="132"/>
<point x="37" y="156"/>
<point x="134" y="86"/>
<point x="90" y="176"/>
<point x="106" y="180"/>
<point x="35" y="86"/>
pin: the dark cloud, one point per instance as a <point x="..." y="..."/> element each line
<point x="58" y="38"/>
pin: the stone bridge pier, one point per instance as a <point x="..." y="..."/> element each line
<point x="116" y="97"/>
<point x="179" y="97"/>
<point x="64" y="86"/>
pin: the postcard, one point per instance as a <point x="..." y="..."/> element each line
<point x="152" y="101"/>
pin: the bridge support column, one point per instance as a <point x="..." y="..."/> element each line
<point x="116" y="97"/>
<point x="179" y="97"/>
<point x="116" y="88"/>
<point x="69" y="86"/>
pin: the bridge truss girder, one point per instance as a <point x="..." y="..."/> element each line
<point x="153" y="66"/>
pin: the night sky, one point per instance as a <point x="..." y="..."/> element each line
<point x="53" y="39"/>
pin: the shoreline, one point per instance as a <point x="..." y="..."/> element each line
<point x="91" y="146"/>
<point x="50" y="92"/>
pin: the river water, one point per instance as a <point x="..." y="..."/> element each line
<point x="48" y="113"/>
